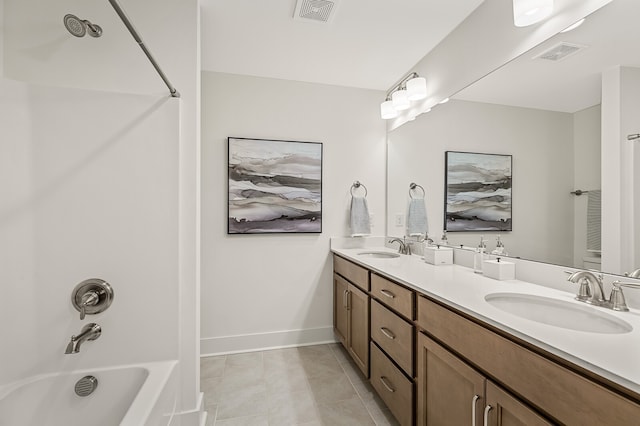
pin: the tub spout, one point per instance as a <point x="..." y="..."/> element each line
<point x="89" y="332"/>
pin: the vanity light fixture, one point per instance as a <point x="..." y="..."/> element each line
<point x="387" y="111"/>
<point x="410" y="88"/>
<point x="417" y="88"/>
<point x="400" y="100"/>
<point x="529" y="12"/>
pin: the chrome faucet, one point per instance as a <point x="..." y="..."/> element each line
<point x="89" y="332"/>
<point x="618" y="302"/>
<point x="591" y="290"/>
<point x="405" y="247"/>
<point x="634" y="274"/>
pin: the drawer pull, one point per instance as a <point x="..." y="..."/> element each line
<point x="387" y="333"/>
<point x="474" y="402"/>
<point x="348" y="300"/>
<point x="383" y="379"/>
<point x="344" y="298"/>
<point x="388" y="294"/>
<point x="486" y="414"/>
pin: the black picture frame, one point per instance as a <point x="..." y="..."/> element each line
<point x="478" y="192"/>
<point x="274" y="186"/>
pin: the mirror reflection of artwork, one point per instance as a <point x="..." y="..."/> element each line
<point x="274" y="186"/>
<point x="477" y="191"/>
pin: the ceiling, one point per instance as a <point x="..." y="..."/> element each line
<point x="367" y="44"/>
<point x="611" y="37"/>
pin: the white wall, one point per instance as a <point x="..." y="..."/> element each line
<point x="541" y="145"/>
<point x="272" y="290"/>
<point x="586" y="166"/>
<point x="89" y="183"/>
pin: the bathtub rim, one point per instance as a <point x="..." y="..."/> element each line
<point x="158" y="375"/>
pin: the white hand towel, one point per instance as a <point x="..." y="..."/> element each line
<point x="360" y="225"/>
<point x="417" y="218"/>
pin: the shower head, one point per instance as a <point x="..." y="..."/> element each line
<point x="79" y="27"/>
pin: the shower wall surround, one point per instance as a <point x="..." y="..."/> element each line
<point x="127" y="164"/>
<point x="89" y="183"/>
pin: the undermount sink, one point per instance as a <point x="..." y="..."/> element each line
<point x="558" y="313"/>
<point x="379" y="254"/>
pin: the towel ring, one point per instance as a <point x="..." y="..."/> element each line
<point x="357" y="185"/>
<point x="413" y="187"/>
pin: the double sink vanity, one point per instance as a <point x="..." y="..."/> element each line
<point x="442" y="345"/>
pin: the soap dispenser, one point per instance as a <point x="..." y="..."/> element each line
<point x="499" y="250"/>
<point x="426" y="243"/>
<point x="478" y="257"/>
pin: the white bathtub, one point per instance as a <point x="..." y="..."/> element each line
<point x="133" y="395"/>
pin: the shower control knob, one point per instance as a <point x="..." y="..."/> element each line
<point x="92" y="296"/>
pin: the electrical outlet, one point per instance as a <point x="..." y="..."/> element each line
<point x="399" y="219"/>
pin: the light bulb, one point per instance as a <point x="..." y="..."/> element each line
<point x="529" y="12"/>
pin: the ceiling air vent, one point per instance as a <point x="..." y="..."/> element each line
<point x="315" y="10"/>
<point x="560" y="51"/>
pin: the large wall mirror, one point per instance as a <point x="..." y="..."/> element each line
<point x="544" y="109"/>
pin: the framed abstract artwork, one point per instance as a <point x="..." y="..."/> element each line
<point x="275" y="186"/>
<point x="477" y="192"/>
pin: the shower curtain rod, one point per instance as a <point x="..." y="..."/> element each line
<point x="138" y="39"/>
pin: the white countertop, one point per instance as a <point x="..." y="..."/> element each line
<point x="615" y="357"/>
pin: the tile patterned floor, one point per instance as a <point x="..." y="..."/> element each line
<point x="305" y="386"/>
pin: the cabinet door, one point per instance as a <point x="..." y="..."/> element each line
<point x="340" y="313"/>
<point x="358" y="338"/>
<point x="505" y="410"/>
<point x="449" y="392"/>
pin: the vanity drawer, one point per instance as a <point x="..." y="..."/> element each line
<point x="393" y="295"/>
<point x="354" y="273"/>
<point x="393" y="334"/>
<point x="392" y="386"/>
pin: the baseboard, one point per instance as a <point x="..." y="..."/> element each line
<point x="195" y="417"/>
<point x="263" y="341"/>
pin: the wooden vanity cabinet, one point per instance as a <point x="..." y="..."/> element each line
<point x="434" y="365"/>
<point x="351" y="310"/>
<point x="451" y="392"/>
<point x="502" y="409"/>
<point x="549" y="387"/>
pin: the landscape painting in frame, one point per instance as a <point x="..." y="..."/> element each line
<point x="274" y="186"/>
<point x="477" y="192"/>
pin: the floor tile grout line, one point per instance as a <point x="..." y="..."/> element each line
<point x="345" y="366"/>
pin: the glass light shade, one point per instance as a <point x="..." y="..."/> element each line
<point x="417" y="88"/>
<point x="387" y="110"/>
<point x="400" y="99"/>
<point x="529" y="12"/>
